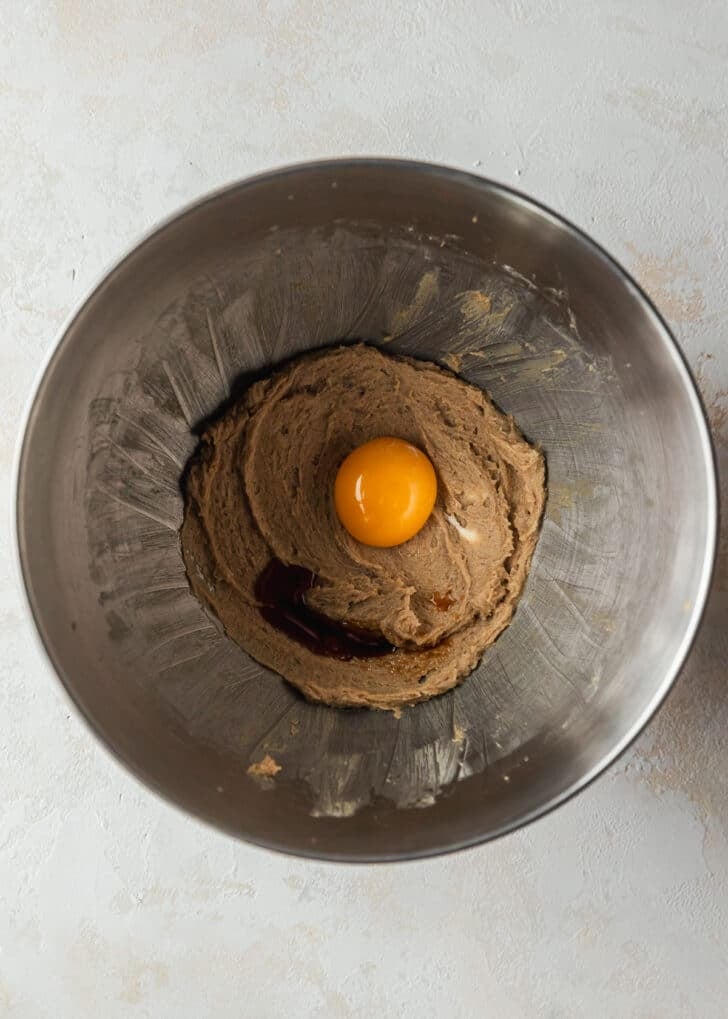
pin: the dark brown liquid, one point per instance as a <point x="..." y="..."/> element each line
<point x="281" y="591"/>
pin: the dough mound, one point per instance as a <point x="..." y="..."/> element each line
<point x="260" y="487"/>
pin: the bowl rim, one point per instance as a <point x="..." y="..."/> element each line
<point x="450" y="174"/>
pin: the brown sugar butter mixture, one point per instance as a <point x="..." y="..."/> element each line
<point x="347" y="623"/>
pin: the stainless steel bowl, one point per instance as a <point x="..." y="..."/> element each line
<point x="396" y="253"/>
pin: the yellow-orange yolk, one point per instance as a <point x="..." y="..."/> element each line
<point x="384" y="492"/>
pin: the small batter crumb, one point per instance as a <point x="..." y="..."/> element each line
<point x="458" y="734"/>
<point x="267" y="768"/>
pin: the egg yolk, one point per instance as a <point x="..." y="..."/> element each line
<point x="384" y="492"/>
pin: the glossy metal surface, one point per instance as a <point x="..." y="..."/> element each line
<point x="437" y="264"/>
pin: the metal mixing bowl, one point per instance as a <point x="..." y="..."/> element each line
<point x="437" y="264"/>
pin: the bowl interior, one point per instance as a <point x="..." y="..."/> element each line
<point x="438" y="265"/>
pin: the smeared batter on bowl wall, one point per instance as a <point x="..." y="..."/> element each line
<point x="259" y="491"/>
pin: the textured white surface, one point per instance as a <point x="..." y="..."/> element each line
<point x="111" y="115"/>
